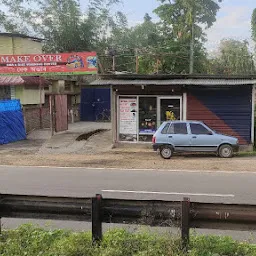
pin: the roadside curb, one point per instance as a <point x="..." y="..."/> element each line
<point x="125" y="169"/>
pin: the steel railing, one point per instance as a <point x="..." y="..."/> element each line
<point x="98" y="210"/>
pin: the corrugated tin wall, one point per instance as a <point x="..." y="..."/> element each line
<point x="226" y="110"/>
<point x="95" y="104"/>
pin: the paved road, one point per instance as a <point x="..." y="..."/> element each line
<point x="134" y="184"/>
<point x="166" y="185"/>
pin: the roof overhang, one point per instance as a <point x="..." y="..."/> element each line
<point x="179" y="82"/>
<point x="22" y="36"/>
<point x="22" y="80"/>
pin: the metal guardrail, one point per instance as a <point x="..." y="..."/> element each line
<point x="183" y="214"/>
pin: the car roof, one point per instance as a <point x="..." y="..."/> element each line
<point x="180" y="121"/>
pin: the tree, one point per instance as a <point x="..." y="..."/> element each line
<point x="253" y="25"/>
<point x="181" y="15"/>
<point x="105" y="21"/>
<point x="234" y="59"/>
<point x="61" y="22"/>
<point x="183" y="20"/>
<point x="130" y="43"/>
<point x="164" y="47"/>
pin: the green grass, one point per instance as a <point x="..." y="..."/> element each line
<point x="246" y="154"/>
<point x="29" y="240"/>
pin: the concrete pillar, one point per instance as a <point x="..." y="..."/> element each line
<point x="72" y="87"/>
<point x="58" y="86"/>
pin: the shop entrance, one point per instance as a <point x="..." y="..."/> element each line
<point x="140" y="116"/>
<point x="169" y="109"/>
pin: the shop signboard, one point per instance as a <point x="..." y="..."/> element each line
<point x="128" y="119"/>
<point x="77" y="63"/>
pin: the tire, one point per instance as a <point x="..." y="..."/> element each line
<point x="166" y="152"/>
<point x="226" y="151"/>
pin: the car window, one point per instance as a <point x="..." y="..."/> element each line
<point x="178" y="128"/>
<point x="199" y="129"/>
<point x="165" y="129"/>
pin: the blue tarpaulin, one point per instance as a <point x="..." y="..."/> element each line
<point x="9" y="105"/>
<point x="11" y="122"/>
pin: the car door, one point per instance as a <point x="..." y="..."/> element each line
<point x="202" y="138"/>
<point x="178" y="136"/>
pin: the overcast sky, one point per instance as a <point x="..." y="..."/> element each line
<point x="233" y="19"/>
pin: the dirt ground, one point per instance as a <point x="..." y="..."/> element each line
<point x="63" y="150"/>
<point x="135" y="159"/>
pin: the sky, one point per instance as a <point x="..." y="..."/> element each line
<point x="233" y="20"/>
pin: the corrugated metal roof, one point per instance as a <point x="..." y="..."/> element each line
<point x="20" y="80"/>
<point x="206" y="82"/>
<point x="21" y="36"/>
<point x="123" y="76"/>
<point x="11" y="80"/>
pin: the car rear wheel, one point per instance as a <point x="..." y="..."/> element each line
<point x="166" y="152"/>
<point x="226" y="151"/>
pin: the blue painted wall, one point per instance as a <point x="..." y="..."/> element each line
<point x="95" y="104"/>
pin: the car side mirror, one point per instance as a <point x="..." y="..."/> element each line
<point x="210" y="133"/>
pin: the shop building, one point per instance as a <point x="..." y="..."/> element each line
<point x="140" y="103"/>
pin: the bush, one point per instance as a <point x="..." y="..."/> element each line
<point x="34" y="241"/>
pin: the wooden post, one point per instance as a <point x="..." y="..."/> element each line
<point x="192" y="45"/>
<point x="158" y="63"/>
<point x="100" y="66"/>
<point x="185" y="217"/>
<point x="137" y="61"/>
<point x="114" y="115"/>
<point x="113" y="63"/>
<point x="51" y="114"/>
<point x="40" y="110"/>
<point x="96" y="219"/>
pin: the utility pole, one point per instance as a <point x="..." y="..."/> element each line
<point x="192" y="44"/>
<point x="113" y="63"/>
<point x="137" y="61"/>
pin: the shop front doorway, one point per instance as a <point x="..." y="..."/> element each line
<point x="140" y="116"/>
<point x="169" y="109"/>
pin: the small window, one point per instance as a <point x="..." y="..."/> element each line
<point x="165" y="129"/>
<point x="199" y="129"/>
<point x="178" y="128"/>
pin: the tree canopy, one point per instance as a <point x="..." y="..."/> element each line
<point x="157" y="47"/>
<point x="253" y="25"/>
<point x="234" y="58"/>
<point x="182" y="14"/>
<point x="62" y="23"/>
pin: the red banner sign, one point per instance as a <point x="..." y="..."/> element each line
<point x="49" y="64"/>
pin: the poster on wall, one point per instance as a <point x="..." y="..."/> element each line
<point x="128" y="108"/>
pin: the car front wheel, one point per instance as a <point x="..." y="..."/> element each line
<point x="226" y="151"/>
<point x="166" y="152"/>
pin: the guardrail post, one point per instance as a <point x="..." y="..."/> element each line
<point x="96" y="219"/>
<point x="185" y="218"/>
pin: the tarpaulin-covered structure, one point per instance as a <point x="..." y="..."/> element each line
<point x="11" y="122"/>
